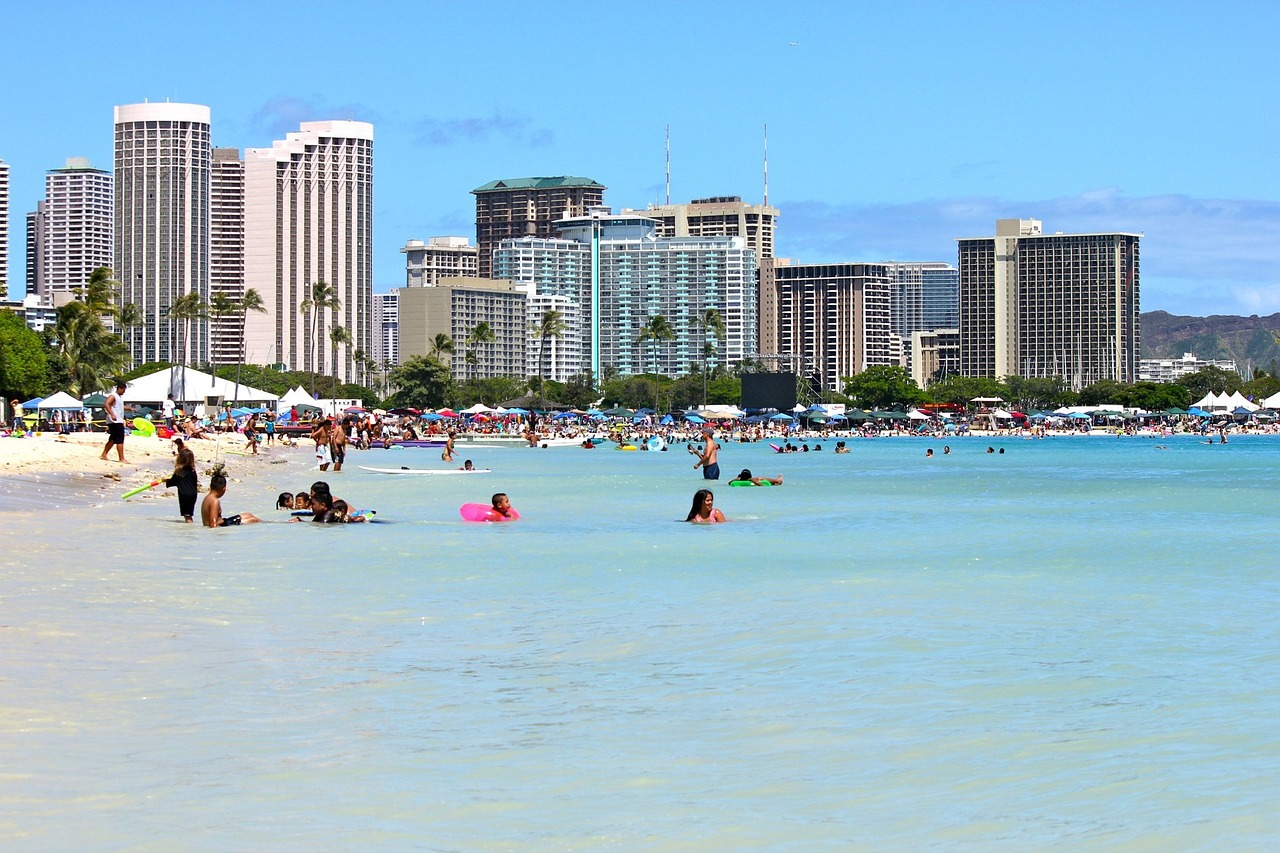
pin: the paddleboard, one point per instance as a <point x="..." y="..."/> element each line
<point x="484" y="512"/>
<point x="424" y="470"/>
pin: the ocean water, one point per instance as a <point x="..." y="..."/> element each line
<point x="1071" y="645"/>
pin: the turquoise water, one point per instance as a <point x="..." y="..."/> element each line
<point x="1072" y="645"/>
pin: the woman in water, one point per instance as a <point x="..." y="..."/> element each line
<point x="184" y="480"/>
<point x="703" y="510"/>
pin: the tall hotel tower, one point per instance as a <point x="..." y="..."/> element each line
<point x="309" y="219"/>
<point x="226" y="251"/>
<point x="162" y="161"/>
<point x="75" y="233"/>
<point x="4" y="229"/>
<point x="528" y="207"/>
<point x="1041" y="305"/>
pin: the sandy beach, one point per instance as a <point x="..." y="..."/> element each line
<point x="52" y="472"/>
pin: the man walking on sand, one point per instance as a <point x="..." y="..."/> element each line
<point x="115" y="423"/>
<point x="707" y="458"/>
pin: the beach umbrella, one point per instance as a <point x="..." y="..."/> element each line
<point x="517" y="411"/>
<point x="837" y="417"/>
<point x="666" y="420"/>
<point x="782" y="417"/>
<point x="618" y="412"/>
<point x="856" y="415"/>
<point x="432" y="416"/>
<point x="694" y="419"/>
<point x="96" y="401"/>
<point x="446" y="413"/>
<point x="354" y="410"/>
<point x="1080" y="416"/>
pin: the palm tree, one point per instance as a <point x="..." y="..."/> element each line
<point x="221" y="306"/>
<point x="709" y="321"/>
<point x="91" y="351"/>
<point x="656" y="330"/>
<point x="481" y="334"/>
<point x="251" y="301"/>
<point x="339" y="336"/>
<point x="362" y="365"/>
<point x="442" y="344"/>
<point x="187" y="307"/>
<point x="551" y="326"/>
<point x="321" y="296"/>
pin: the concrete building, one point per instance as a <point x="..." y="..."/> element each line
<point x="454" y="307"/>
<point x="35" y="249"/>
<point x="1171" y="369"/>
<point x="528" y="207"/>
<point x="309" y="219"/>
<point x="74" y="227"/>
<point x="385" y="348"/>
<point x="617" y="273"/>
<point x="440" y="257"/>
<point x="559" y="357"/>
<point x="226" y="253"/>
<point x="834" y="319"/>
<point x="924" y="295"/>
<point x="730" y="216"/>
<point x="1043" y="305"/>
<point x="4" y="229"/>
<point x="935" y="355"/>
<point x="162" y="166"/>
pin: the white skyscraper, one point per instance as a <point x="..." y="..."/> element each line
<point x="76" y="237"/>
<point x="309" y="219"/>
<point x="162" y="161"/>
<point x="226" y="252"/>
<point x="4" y="229"/>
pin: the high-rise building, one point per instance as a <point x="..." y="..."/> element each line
<point x="618" y="273"/>
<point x="730" y="216"/>
<point x="426" y="263"/>
<point x="455" y="307"/>
<point x="386" y="329"/>
<point x="226" y="254"/>
<point x="528" y="207"/>
<point x="1042" y="305"/>
<point x="35" y="249"/>
<point x="309" y="219"/>
<point x="162" y="163"/>
<point x="4" y="229"/>
<point x="833" y="319"/>
<point x="923" y="296"/>
<point x="76" y="235"/>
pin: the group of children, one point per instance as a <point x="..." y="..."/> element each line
<point x="320" y="505"/>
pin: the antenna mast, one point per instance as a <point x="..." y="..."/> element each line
<point x="668" y="164"/>
<point x="766" y="165"/>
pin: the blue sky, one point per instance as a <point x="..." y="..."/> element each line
<point x="894" y="127"/>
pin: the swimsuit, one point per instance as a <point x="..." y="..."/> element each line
<point x="229" y="522"/>
<point x="711" y="472"/>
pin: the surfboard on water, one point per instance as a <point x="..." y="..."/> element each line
<point x="424" y="470"/>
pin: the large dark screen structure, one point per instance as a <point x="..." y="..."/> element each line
<point x="769" y="391"/>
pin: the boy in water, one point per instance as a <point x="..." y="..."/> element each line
<point x="211" y="507"/>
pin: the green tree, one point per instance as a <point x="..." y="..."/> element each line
<point x="961" y="390"/>
<point x="321" y="297"/>
<point x="578" y="391"/>
<point x="711" y="323"/>
<point x="1156" y="396"/>
<point x="481" y="334"/>
<point x="1033" y="393"/>
<point x="221" y="307"/>
<point x="1104" y="391"/>
<point x="656" y="330"/>
<point x="250" y="301"/>
<point x="338" y="336"/>
<point x="91" y="353"/>
<point x="551" y="325"/>
<point x="420" y="382"/>
<point x="1261" y="386"/>
<point x="1210" y="379"/>
<point x="442" y="344"/>
<point x="184" y="310"/>
<point x="882" y="386"/>
<point x="24" y="363"/>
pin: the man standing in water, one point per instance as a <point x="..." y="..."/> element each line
<point x="115" y="423"/>
<point x="707" y="458"/>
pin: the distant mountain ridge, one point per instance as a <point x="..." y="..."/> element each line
<point x="1248" y="340"/>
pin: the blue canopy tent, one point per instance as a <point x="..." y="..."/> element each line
<point x="694" y="419"/>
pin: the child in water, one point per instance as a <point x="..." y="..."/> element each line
<point x="703" y="510"/>
<point x="184" y="480"/>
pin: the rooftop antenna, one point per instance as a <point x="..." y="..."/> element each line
<point x="668" y="164"/>
<point x="766" y="164"/>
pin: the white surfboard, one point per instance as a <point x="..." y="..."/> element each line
<point x="424" y="470"/>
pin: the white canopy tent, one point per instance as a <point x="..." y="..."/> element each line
<point x="194" y="387"/>
<point x="1272" y="402"/>
<point x="1238" y="400"/>
<point x="61" y="401"/>
<point x="296" y="396"/>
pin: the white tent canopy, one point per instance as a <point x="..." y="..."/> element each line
<point x="1236" y="400"/>
<point x="61" y="400"/>
<point x="721" y="411"/>
<point x="477" y="409"/>
<point x="295" y="397"/>
<point x="1272" y="402"/>
<point x="193" y="386"/>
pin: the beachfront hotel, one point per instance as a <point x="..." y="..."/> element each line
<point x="162" y="165"/>
<point x="440" y="257"/>
<point x="1041" y="305"/>
<point x="528" y="207"/>
<point x="309" y="218"/>
<point x="617" y="273"/>
<point x="4" y="229"/>
<point x="454" y="307"/>
<point x="70" y="233"/>
<point x="833" y="320"/>
<point x="226" y="250"/>
<point x="730" y="216"/>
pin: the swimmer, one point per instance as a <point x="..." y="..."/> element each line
<point x="502" y="506"/>
<point x="928" y="454"/>
<point x="211" y="507"/>
<point x="744" y="476"/>
<point x="840" y="448"/>
<point x="946" y="450"/>
<point x="703" y="510"/>
<point x="284" y="500"/>
<point x="447" y="454"/>
<point x="467" y="466"/>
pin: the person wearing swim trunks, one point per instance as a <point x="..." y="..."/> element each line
<point x="211" y="506"/>
<point x="337" y="445"/>
<point x="115" y="423"/>
<point x="745" y="477"/>
<point x="707" y="458"/>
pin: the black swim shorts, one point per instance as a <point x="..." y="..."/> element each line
<point x="230" y="522"/>
<point x="711" y="472"/>
<point x="115" y="432"/>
